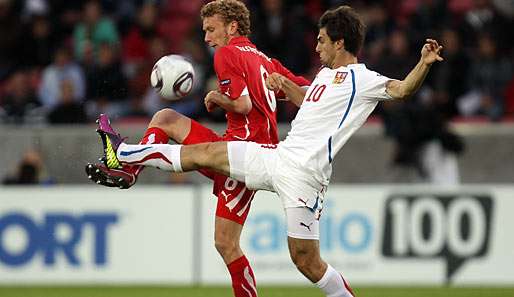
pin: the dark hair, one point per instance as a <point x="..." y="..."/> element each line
<point x="229" y="10"/>
<point x="344" y="23"/>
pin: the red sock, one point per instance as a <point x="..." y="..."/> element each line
<point x="152" y="135"/>
<point x="243" y="280"/>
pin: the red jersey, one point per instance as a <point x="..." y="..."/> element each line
<point x="242" y="70"/>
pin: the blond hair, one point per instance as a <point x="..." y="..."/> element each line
<point x="229" y="11"/>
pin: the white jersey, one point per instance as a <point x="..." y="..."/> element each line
<point x="336" y="104"/>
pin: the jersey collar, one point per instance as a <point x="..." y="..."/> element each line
<point x="239" y="40"/>
<point x="355" y="66"/>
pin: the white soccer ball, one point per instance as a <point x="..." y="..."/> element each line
<point x="172" y="77"/>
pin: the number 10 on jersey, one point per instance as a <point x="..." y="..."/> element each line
<point x="316" y="93"/>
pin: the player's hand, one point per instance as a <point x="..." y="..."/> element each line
<point x="211" y="99"/>
<point x="431" y="51"/>
<point x="274" y="81"/>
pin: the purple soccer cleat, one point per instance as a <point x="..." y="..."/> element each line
<point x="111" y="140"/>
<point x="110" y="172"/>
<point x="102" y="175"/>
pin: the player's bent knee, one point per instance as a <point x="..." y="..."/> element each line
<point x="226" y="245"/>
<point x="168" y="118"/>
<point x="175" y="125"/>
<point x="164" y="117"/>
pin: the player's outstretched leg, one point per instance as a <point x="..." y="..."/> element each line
<point x="125" y="176"/>
<point x="163" y="156"/>
<point x="176" y="158"/>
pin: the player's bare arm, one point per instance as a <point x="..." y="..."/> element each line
<point x="278" y="82"/>
<point x="430" y="53"/>
<point x="241" y="105"/>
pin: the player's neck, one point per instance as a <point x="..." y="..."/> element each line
<point x="230" y="37"/>
<point x="344" y="59"/>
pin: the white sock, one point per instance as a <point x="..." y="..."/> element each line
<point x="333" y="284"/>
<point x="162" y="156"/>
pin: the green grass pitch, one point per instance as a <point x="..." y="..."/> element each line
<point x="269" y="291"/>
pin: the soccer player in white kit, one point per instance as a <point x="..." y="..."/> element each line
<point x="298" y="169"/>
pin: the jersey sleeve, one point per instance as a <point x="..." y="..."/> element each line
<point x="299" y="80"/>
<point x="231" y="80"/>
<point x="375" y="89"/>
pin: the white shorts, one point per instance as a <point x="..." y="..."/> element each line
<point x="261" y="167"/>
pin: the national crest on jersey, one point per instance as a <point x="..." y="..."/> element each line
<point x="339" y="77"/>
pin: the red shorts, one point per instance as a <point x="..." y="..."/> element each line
<point x="234" y="199"/>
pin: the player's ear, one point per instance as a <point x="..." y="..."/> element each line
<point x="339" y="44"/>
<point x="232" y="28"/>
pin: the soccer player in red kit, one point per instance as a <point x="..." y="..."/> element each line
<point x="250" y="107"/>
